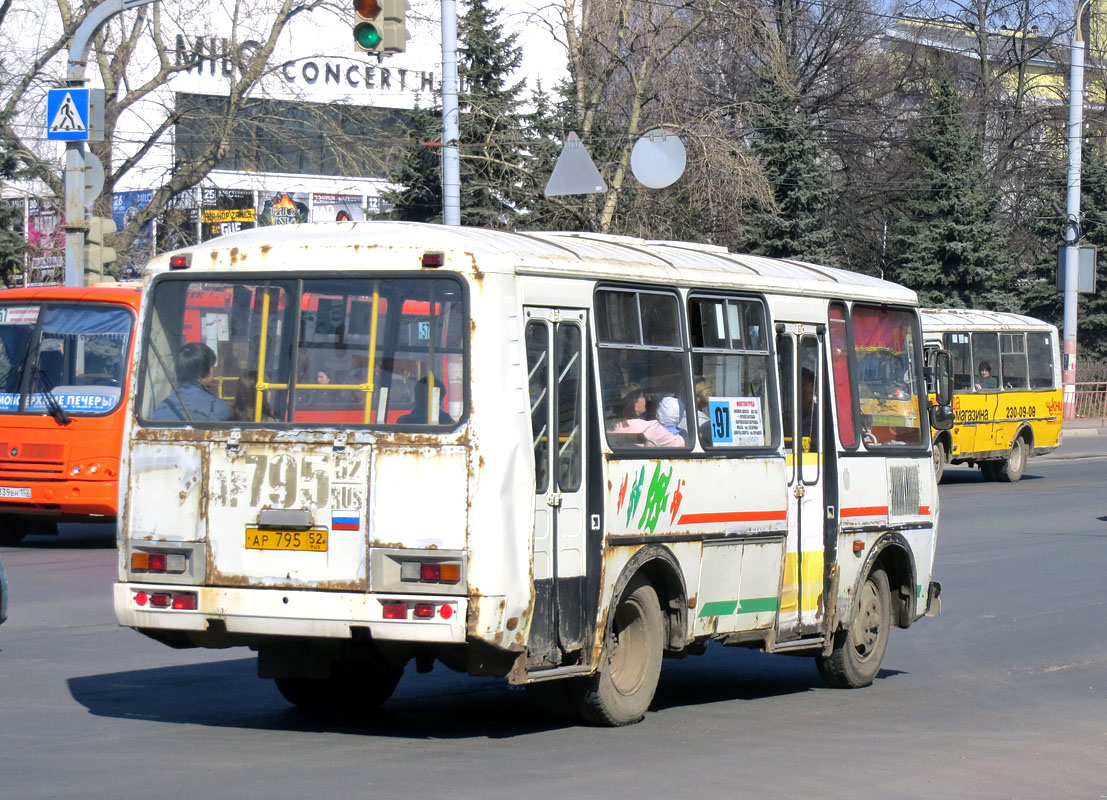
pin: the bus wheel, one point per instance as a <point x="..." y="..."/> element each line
<point x="356" y="686"/>
<point x="1012" y="469"/>
<point x="939" y="461"/>
<point x="858" y="652"/>
<point x="621" y="690"/>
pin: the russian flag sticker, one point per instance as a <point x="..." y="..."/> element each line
<point x="345" y="521"/>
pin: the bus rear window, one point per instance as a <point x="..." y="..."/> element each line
<point x="328" y="351"/>
<point x="71" y="355"/>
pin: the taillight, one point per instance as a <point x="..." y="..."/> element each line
<point x="168" y="563"/>
<point x="395" y="610"/>
<point x="430" y="571"/>
<point x="181" y="601"/>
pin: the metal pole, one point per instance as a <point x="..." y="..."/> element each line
<point x="75" y="224"/>
<point x="1072" y="211"/>
<point x="451" y="168"/>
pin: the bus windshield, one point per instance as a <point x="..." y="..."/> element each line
<point x="317" y="351"/>
<point x="62" y="355"/>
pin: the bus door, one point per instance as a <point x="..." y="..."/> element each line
<point x="555" y="341"/>
<point x="802" y="378"/>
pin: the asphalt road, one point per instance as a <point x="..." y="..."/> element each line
<point x="1004" y="695"/>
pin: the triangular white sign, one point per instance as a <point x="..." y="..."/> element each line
<point x="574" y="172"/>
<point x="67" y="120"/>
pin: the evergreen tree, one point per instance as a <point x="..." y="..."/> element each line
<point x="13" y="244"/>
<point x="493" y="160"/>
<point x="799" y="227"/>
<point x="417" y="171"/>
<point x="947" y="244"/>
<point x="1039" y="294"/>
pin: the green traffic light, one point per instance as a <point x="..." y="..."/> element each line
<point x="366" y="36"/>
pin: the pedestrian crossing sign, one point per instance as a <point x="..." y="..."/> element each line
<point x="67" y="115"/>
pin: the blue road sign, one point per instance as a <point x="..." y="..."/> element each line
<point x="67" y="115"/>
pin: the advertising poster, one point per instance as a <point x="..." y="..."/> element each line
<point x="337" y="208"/>
<point x="283" y="208"/>
<point x="46" y="236"/>
<point x="124" y="208"/>
<point x="224" y="211"/>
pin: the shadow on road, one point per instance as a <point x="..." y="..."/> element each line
<point x="440" y="705"/>
<point x="954" y="476"/>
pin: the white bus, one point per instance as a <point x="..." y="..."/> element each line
<point x="533" y="455"/>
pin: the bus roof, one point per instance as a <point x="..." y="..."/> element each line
<point x="939" y="320"/>
<point x="128" y="292"/>
<point x="477" y="250"/>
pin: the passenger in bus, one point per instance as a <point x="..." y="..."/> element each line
<point x="986" y="379"/>
<point x="244" y="407"/>
<point x="418" y="413"/>
<point x="194" y="397"/>
<point x="627" y="420"/>
<point x="703" y="419"/>
<point x="670" y="413"/>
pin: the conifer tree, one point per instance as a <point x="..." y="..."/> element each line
<point x="947" y="243"/>
<point x="799" y="226"/>
<point x="493" y="161"/>
<point x="417" y="173"/>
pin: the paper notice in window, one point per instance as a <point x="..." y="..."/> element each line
<point x="736" y="422"/>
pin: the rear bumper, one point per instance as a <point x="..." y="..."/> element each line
<point x="241" y="614"/>
<point x="59" y="499"/>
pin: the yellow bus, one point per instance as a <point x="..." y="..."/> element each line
<point x="1006" y="378"/>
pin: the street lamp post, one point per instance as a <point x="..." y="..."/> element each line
<point x="75" y="224"/>
<point x="1072" y="230"/>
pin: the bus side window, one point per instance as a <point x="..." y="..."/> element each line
<point x="642" y="362"/>
<point x="1039" y="351"/>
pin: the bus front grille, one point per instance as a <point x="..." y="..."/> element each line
<point x="29" y="461"/>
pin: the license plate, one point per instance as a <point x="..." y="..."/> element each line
<point x="314" y="540"/>
<point x="15" y="491"/>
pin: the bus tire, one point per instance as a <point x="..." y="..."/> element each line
<point x="858" y="651"/>
<point x="354" y="685"/>
<point x="1013" y="467"/>
<point x="621" y="690"/>
<point x="939" y="460"/>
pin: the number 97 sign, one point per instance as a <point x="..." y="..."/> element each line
<point x="736" y="421"/>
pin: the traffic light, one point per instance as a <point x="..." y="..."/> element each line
<point x="394" y="28"/>
<point x="367" y="22"/>
<point x="380" y="26"/>
<point x="97" y="255"/>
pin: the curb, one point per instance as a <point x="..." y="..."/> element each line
<point x="1069" y="433"/>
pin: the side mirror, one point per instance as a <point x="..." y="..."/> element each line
<point x="941" y="417"/>
<point x="939" y="366"/>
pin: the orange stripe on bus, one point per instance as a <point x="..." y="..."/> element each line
<point x="865" y="511"/>
<point x="732" y="516"/>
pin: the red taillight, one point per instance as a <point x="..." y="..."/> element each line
<point x="141" y="598"/>
<point x="430" y="572"/>
<point x="424" y="610"/>
<point x="161" y="600"/>
<point x="395" y="610"/>
<point x="432" y="260"/>
<point x="157" y="562"/>
<point x="446" y="611"/>
<point x="178" y="262"/>
<point x="184" y="602"/>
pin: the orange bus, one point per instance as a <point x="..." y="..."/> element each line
<point x="65" y="360"/>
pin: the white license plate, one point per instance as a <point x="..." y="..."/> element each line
<point x="15" y="491"/>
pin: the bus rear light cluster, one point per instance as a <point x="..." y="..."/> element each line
<point x="181" y="601"/>
<point x="430" y="571"/>
<point x="166" y="563"/>
<point x="417" y="610"/>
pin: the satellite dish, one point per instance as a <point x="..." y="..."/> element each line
<point x="658" y="158"/>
